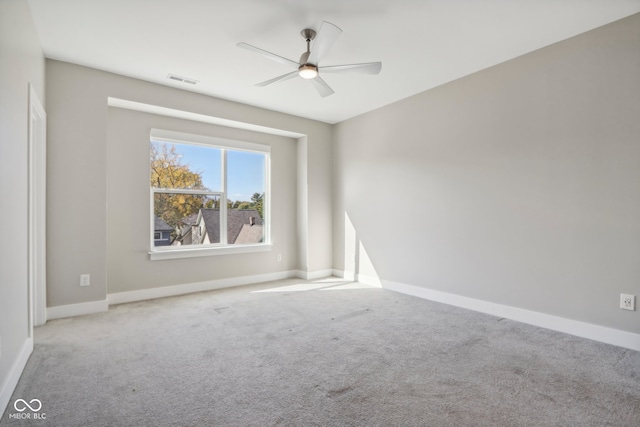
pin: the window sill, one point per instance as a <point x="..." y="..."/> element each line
<point x="208" y="251"/>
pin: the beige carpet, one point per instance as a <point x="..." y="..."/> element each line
<point x="326" y="353"/>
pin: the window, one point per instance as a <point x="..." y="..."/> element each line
<point x="208" y="195"/>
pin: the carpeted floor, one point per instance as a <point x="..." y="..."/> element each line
<point x="325" y="353"/>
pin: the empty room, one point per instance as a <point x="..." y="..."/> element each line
<point x="320" y="213"/>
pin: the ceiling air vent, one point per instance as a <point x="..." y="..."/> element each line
<point x="182" y="79"/>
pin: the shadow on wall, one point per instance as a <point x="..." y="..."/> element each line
<point x="357" y="264"/>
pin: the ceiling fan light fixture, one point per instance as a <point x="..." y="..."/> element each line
<point x="308" y="71"/>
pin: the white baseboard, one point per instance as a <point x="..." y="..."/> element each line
<point x="369" y="280"/>
<point x="360" y="278"/>
<point x="314" y="275"/>
<point x="573" y="327"/>
<point x="10" y="383"/>
<point x="72" y="310"/>
<point x="169" y="291"/>
<point x="346" y="275"/>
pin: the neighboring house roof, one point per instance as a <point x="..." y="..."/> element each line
<point x="211" y="218"/>
<point x="236" y="220"/>
<point x="160" y="225"/>
<point x="249" y="234"/>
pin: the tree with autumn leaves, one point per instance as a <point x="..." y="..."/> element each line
<point x="167" y="171"/>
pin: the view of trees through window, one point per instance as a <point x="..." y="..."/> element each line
<point x="188" y="184"/>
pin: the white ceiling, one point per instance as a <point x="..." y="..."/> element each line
<point x="421" y="43"/>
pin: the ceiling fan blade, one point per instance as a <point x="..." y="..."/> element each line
<point x="367" y="68"/>
<point x="327" y="35"/>
<point x="279" y="78"/>
<point x="272" y="56"/>
<point x="322" y="87"/>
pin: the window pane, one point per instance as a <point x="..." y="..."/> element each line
<point x="185" y="166"/>
<point x="186" y="219"/>
<point x="245" y="189"/>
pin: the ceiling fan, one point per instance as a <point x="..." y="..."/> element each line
<point x="308" y="65"/>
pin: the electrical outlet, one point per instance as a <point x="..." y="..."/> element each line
<point x="85" y="280"/>
<point x="279" y="257"/>
<point x="627" y="302"/>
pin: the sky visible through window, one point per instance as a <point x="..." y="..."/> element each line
<point x="245" y="170"/>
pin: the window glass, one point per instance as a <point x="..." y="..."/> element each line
<point x="246" y="188"/>
<point x="180" y="216"/>
<point x="207" y="195"/>
<point x="185" y="166"/>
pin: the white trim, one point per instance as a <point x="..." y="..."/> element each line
<point x="266" y="200"/>
<point x="314" y="275"/>
<point x="37" y="211"/>
<point x="224" y="213"/>
<point x="302" y="207"/>
<point x="188" y="288"/>
<point x="159" y="253"/>
<point x="187" y="191"/>
<point x="203" y="118"/>
<point x="10" y="383"/>
<point x="361" y="278"/>
<point x="573" y="327"/>
<point x="209" y="141"/>
<point x="71" y="310"/>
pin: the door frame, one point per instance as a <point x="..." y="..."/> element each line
<point x="37" y="211"/>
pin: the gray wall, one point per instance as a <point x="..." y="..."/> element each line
<point x="128" y="264"/>
<point x="516" y="185"/>
<point x="81" y="224"/>
<point x="21" y="63"/>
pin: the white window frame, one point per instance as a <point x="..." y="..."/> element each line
<point x="222" y="248"/>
